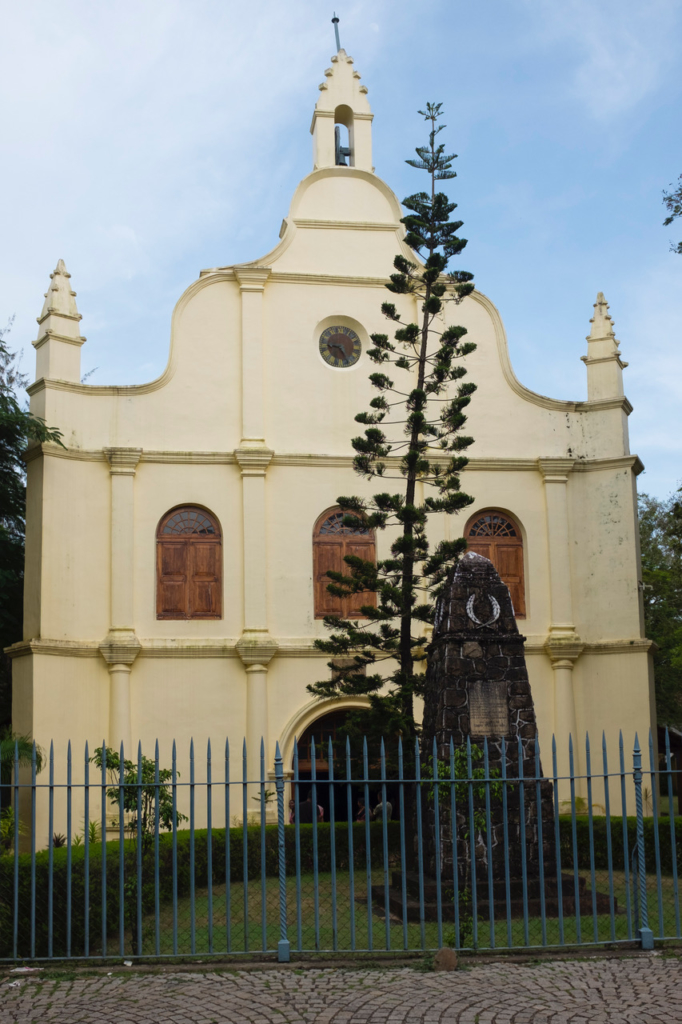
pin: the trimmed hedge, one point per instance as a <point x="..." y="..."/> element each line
<point x="236" y="841"/>
<point x="600" y="846"/>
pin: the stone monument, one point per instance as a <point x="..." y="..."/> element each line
<point x="477" y="689"/>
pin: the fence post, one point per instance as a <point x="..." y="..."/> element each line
<point x="645" y="934"/>
<point x="283" y="946"/>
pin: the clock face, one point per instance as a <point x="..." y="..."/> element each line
<point x="340" y="346"/>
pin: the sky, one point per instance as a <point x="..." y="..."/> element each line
<point x="145" y="140"/>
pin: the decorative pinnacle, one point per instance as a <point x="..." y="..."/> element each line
<point x="59" y="297"/>
<point x="335" y="23"/>
<point x="602" y="324"/>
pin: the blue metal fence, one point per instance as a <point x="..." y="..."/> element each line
<point x="172" y="861"/>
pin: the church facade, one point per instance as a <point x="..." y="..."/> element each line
<point x="177" y="544"/>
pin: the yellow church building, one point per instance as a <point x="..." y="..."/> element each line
<point x="177" y="544"/>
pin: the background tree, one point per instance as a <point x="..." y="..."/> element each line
<point x="660" y="525"/>
<point x="427" y="451"/>
<point x="18" y="428"/>
<point x="673" y="203"/>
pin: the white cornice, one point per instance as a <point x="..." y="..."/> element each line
<point x="347" y="225"/>
<point x="279" y="647"/>
<point x="497" y="464"/>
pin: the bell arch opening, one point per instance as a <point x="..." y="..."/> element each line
<point x="343" y="136"/>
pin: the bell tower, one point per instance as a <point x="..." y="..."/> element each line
<point x="342" y="105"/>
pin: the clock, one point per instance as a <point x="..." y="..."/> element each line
<point x="340" y="346"/>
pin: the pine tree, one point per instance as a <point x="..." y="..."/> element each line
<point x="17" y="428"/>
<point x="429" y="404"/>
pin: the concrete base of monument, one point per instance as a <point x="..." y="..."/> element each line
<point x="587" y="900"/>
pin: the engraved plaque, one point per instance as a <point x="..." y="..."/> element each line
<point x="488" y="711"/>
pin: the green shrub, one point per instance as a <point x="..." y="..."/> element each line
<point x="600" y="842"/>
<point x="112" y="853"/>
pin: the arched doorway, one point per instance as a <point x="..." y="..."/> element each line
<point x="329" y="727"/>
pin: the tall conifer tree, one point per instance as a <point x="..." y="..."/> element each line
<point x="428" y="403"/>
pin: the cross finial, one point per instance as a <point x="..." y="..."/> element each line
<point x="335" y="23"/>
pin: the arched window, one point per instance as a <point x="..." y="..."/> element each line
<point x="332" y="541"/>
<point x="188" y="565"/>
<point x="496" y="536"/>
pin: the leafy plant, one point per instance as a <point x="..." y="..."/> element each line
<point x="15" y="745"/>
<point x="145" y="791"/>
<point x="268" y="797"/>
<point x="94" y="832"/>
<point x="7" y="829"/>
<point x="581" y="806"/>
<point x="478" y="773"/>
<point x="466" y="923"/>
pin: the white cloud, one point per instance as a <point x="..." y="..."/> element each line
<point x="622" y="50"/>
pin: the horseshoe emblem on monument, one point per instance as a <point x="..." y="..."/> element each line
<point x="494" y="606"/>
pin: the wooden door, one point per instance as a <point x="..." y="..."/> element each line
<point x="497" y="537"/>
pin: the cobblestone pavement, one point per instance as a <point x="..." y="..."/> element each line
<point x="642" y="989"/>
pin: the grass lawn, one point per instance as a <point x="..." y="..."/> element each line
<point x="348" y="925"/>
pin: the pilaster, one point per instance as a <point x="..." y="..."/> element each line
<point x="563" y="644"/>
<point x="252" y="285"/>
<point x="555" y="474"/>
<point x="256" y="649"/>
<point x="120" y="647"/>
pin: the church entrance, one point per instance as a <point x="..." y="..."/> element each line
<point x="321" y="731"/>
